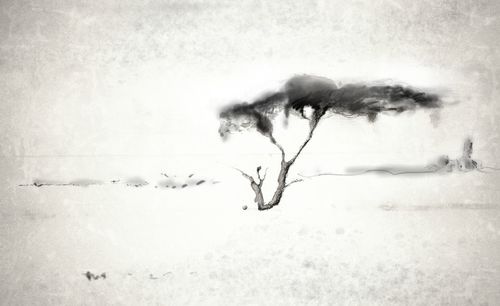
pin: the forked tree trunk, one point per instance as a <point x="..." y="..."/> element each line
<point x="282" y="176"/>
<point x="278" y="193"/>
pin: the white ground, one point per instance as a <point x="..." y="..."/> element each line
<point x="121" y="89"/>
<point x="324" y="245"/>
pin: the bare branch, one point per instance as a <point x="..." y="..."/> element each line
<point x="274" y="142"/>
<point x="258" y="173"/>
<point x="265" y="174"/>
<point x="261" y="179"/>
<point x="293" y="182"/>
<point x="249" y="177"/>
<point x="309" y="136"/>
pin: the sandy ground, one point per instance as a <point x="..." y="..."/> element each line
<point x="197" y="246"/>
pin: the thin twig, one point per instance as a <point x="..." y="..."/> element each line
<point x="293" y="182"/>
<point x="261" y="179"/>
<point x="249" y="177"/>
<point x="265" y="174"/>
<point x="258" y="173"/>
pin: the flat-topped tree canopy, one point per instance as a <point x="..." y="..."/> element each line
<point x="324" y="96"/>
<point x="319" y="96"/>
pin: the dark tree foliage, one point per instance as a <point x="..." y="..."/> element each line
<point x="322" y="97"/>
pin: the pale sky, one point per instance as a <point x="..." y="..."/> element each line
<point x="125" y="90"/>
<point x="134" y="78"/>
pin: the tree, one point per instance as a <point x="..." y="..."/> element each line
<point x="313" y="98"/>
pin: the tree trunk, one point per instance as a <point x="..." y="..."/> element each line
<point x="259" y="199"/>
<point x="285" y="166"/>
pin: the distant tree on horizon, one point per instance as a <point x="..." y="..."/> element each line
<point x="314" y="98"/>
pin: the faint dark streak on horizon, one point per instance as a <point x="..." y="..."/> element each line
<point x="368" y="171"/>
<point x="394" y="171"/>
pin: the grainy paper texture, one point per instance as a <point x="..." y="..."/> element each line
<point x="116" y="188"/>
